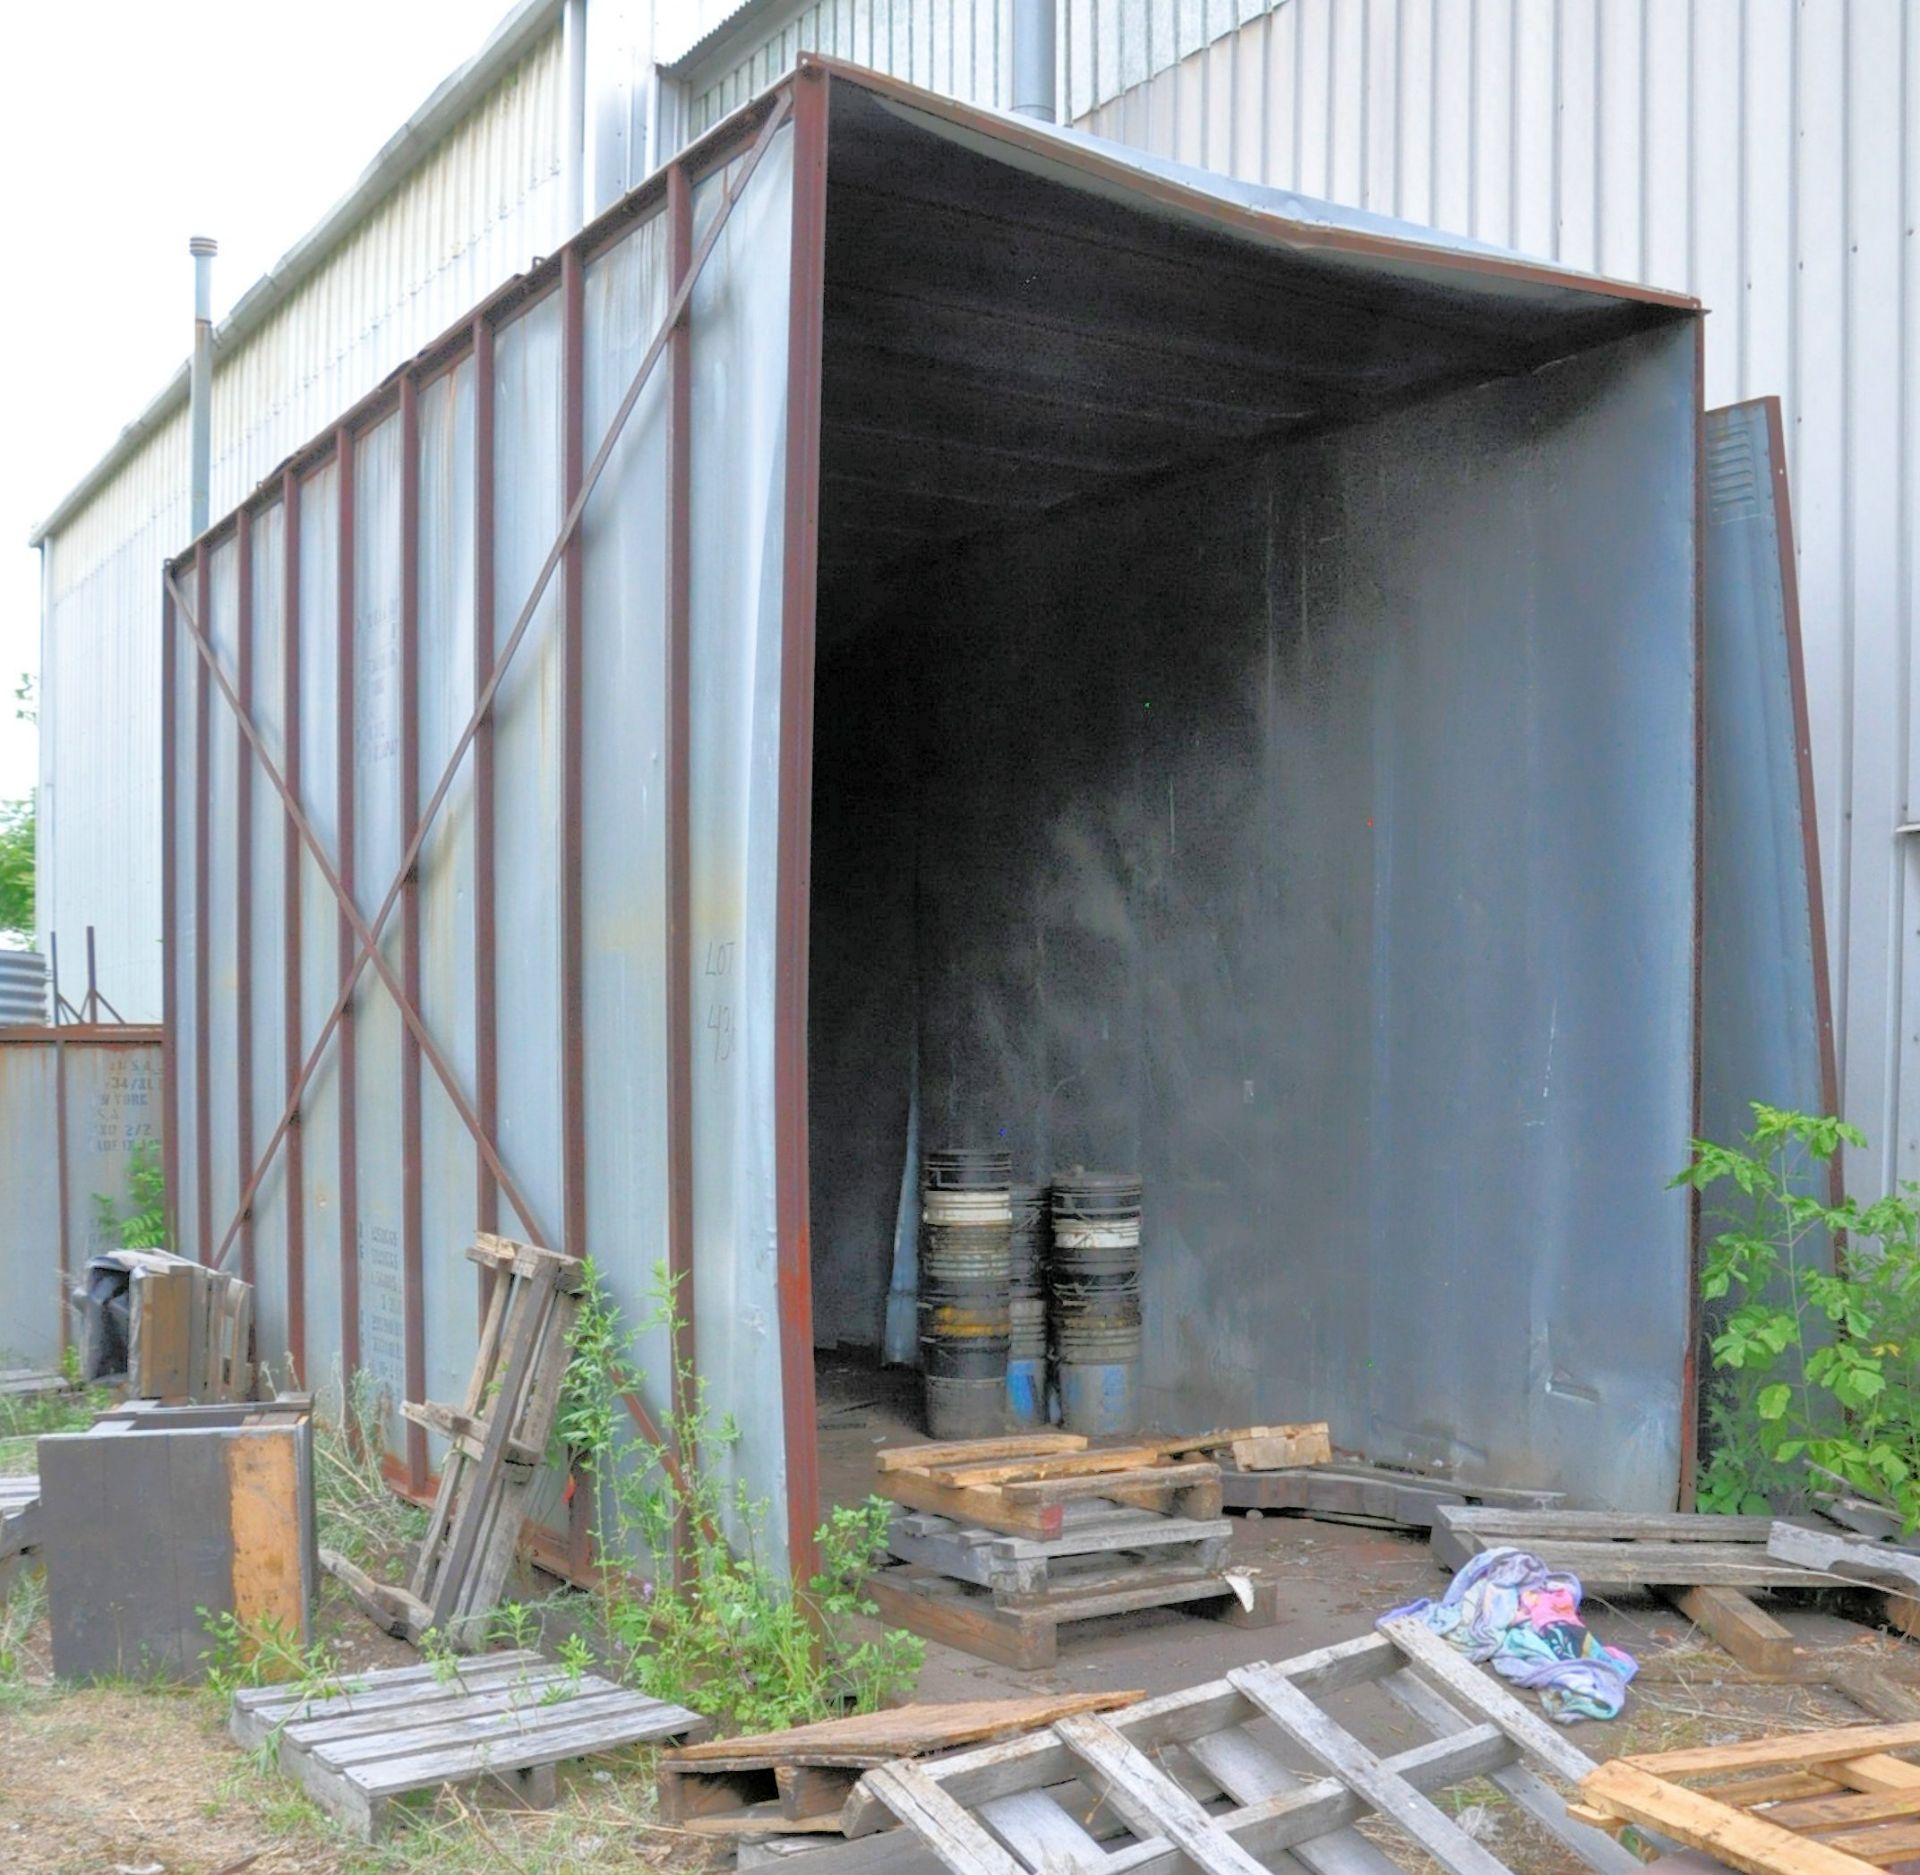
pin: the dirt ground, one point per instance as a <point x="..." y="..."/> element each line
<point x="130" y="1781"/>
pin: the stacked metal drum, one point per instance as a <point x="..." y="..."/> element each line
<point x="1027" y="1308"/>
<point x="1094" y="1301"/>
<point x="966" y="1223"/>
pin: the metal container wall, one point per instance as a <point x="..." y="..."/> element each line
<point x="534" y="938"/>
<point x="1764" y="157"/>
<point x="112" y="1104"/>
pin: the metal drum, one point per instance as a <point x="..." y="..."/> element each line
<point x="1094" y="1300"/>
<point x="965" y="1291"/>
<point x="1027" y="1348"/>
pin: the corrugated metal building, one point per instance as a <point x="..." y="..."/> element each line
<point x="1763" y="154"/>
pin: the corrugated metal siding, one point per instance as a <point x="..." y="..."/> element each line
<point x="477" y="211"/>
<point x="963" y="47"/>
<point x="1764" y="156"/>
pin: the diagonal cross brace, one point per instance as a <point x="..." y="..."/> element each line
<point x="369" y="934"/>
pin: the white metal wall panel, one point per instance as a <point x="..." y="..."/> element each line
<point x="1761" y="154"/>
<point x="476" y="212"/>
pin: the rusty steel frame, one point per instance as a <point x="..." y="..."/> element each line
<point x="800" y="540"/>
<point x="413" y="1314"/>
<point x="355" y="929"/>
<point x="243" y="878"/>
<point x="169" y="915"/>
<point x="295" y="1177"/>
<point x="202" y="919"/>
<point x="802" y="98"/>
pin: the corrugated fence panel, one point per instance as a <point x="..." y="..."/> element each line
<point x="1763" y="156"/>
<point x="478" y="210"/>
<point x="112" y="1106"/>
<point x="378" y="841"/>
<point x="268" y="933"/>
<point x="448" y="1164"/>
<point x="319" y="923"/>
<point x="624" y="862"/>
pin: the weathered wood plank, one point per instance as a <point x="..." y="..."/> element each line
<point x="1857" y="1558"/>
<point x="1829" y="1746"/>
<point x="1486" y="1698"/>
<point x="1150" y="1801"/>
<point x="1357" y="1767"/>
<point x="1739" y="1838"/>
<point x="945" y="1826"/>
<point x="967" y="1451"/>
<point x="1751" y="1635"/>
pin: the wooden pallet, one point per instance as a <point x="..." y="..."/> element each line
<point x="26" y="1382"/>
<point x="1625" y="1550"/>
<point x="1811" y="1803"/>
<point x="1020" y="1486"/>
<point x="797" y="1781"/>
<point x="1025" y="1632"/>
<point x="190" y="1333"/>
<point x="359" y="1748"/>
<point x="1353" y="1492"/>
<point x="1094" y="1534"/>
<point x="1181" y="1782"/>
<point x="19" y="1520"/>
<point x="496" y="1441"/>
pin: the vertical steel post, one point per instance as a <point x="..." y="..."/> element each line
<point x="170" y="909"/>
<point x="413" y="1303"/>
<point x="344" y="725"/>
<point x="679" y="850"/>
<point x="801" y="553"/>
<point x="486" y="1059"/>
<point x="64" y="1243"/>
<point x="202" y="923"/>
<point x="200" y="387"/>
<point x="243" y="879"/>
<point x="573" y="998"/>
<point x="294" y="1184"/>
<point x="93" y="981"/>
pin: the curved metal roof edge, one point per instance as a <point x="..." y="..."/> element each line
<point x="398" y="158"/>
<point x="1279" y="213"/>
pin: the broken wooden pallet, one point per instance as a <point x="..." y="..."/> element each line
<point x="360" y="1746"/>
<point x="1353" y="1492"/>
<point x="797" y="1781"/>
<point x="19" y="1516"/>
<point x="495" y="1442"/>
<point x="1878" y="1564"/>
<point x="1628" y="1550"/>
<point x="1019" y="1486"/>
<point x="1836" y="1802"/>
<point x="1182" y="1781"/>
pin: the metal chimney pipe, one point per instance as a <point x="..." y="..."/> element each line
<point x="200" y="384"/>
<point x="1033" y="43"/>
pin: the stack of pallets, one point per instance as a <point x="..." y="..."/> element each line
<point x="998" y="1542"/>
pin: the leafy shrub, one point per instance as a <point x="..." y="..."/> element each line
<point x="1816" y="1367"/>
<point x="143" y="1226"/>
<point x="722" y="1631"/>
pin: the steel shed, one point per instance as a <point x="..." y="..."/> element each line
<point x="920" y="620"/>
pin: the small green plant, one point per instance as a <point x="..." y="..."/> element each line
<point x="441" y="1656"/>
<point x="267" y="1652"/>
<point x="143" y="1224"/>
<point x="1816" y="1366"/>
<point x="357" y="1512"/>
<point x="713" y="1625"/>
<point x="25" y="1602"/>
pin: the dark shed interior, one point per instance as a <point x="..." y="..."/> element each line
<point x="1254" y="746"/>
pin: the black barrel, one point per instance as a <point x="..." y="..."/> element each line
<point x="965" y="1291"/>
<point x="1094" y="1299"/>
<point x="1027" y="1348"/>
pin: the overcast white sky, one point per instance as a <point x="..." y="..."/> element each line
<point x="125" y="127"/>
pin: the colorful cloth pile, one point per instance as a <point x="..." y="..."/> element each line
<point x="1506" y="1606"/>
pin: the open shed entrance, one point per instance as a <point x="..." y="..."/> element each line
<point x="1254" y="746"/>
